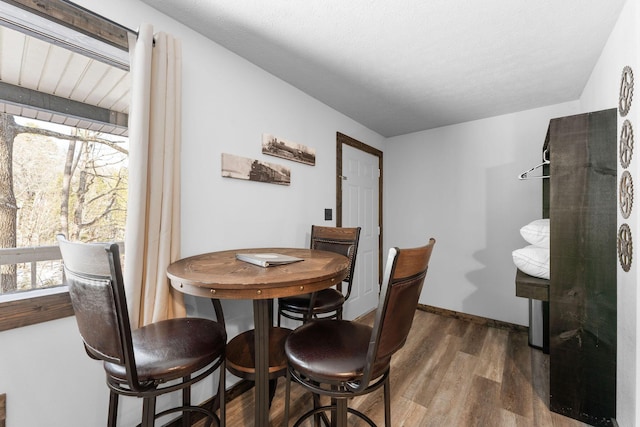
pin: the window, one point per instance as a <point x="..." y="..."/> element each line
<point x="75" y="183"/>
<point x="63" y="149"/>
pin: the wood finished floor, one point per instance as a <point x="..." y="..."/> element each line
<point x="451" y="372"/>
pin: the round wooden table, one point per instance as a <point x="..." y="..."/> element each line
<point x="221" y="275"/>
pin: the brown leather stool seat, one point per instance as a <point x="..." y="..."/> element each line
<point x="344" y="360"/>
<point x="241" y="355"/>
<point x="194" y="342"/>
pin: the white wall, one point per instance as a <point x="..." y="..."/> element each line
<point x="48" y="378"/>
<point x="460" y="185"/>
<point x="602" y="91"/>
<point x="227" y="104"/>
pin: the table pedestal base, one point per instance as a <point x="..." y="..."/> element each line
<point x="258" y="355"/>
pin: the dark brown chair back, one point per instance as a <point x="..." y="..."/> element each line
<point x="342" y="240"/>
<point x="404" y="276"/>
<point x="94" y="276"/>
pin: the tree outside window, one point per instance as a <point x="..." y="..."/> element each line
<point x="57" y="179"/>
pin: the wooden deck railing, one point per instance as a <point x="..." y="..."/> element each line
<point x="41" y="276"/>
<point x="30" y="257"/>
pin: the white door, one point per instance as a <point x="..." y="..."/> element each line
<point x="360" y="182"/>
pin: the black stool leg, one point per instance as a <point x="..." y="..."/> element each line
<point x="148" y="411"/>
<point x="186" y="401"/>
<point x="341" y="412"/>
<point x="222" y="397"/>
<point x="273" y="385"/>
<point x="287" y="397"/>
<point x="387" y="402"/>
<point x="113" y="409"/>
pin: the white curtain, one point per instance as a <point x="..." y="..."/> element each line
<point x="152" y="234"/>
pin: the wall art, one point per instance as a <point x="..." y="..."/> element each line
<point x="626" y="144"/>
<point x="254" y="170"/>
<point x="626" y="91"/>
<point x="288" y="150"/>
<point x="625" y="247"/>
<point x="625" y="194"/>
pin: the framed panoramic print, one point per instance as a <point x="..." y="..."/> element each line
<point x="254" y="170"/>
<point x="288" y="150"/>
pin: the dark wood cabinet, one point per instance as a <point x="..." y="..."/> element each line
<point x="582" y="295"/>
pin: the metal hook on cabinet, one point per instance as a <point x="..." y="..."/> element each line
<point x="546" y="161"/>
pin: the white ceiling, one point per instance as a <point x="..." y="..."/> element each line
<point x="401" y="66"/>
<point x="33" y="64"/>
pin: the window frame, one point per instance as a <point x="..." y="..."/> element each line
<point x="42" y="305"/>
<point x="25" y="308"/>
